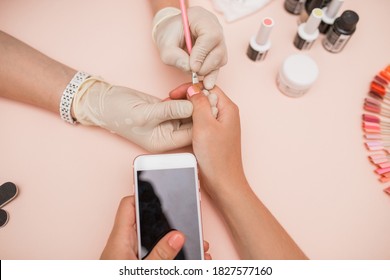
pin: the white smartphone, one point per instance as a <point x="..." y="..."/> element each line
<point x="167" y="197"/>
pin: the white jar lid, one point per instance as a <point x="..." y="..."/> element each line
<point x="299" y="71"/>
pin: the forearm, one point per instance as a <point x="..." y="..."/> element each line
<point x="28" y="76"/>
<point x="157" y="5"/>
<point x="257" y="233"/>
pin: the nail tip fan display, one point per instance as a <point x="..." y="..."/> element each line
<point x="376" y="125"/>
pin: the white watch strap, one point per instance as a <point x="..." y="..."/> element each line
<point x="68" y="95"/>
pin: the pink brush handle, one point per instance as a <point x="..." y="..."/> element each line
<point x="187" y="33"/>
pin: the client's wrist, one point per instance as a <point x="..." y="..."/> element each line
<point x="227" y="187"/>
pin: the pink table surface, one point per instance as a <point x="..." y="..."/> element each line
<point x="304" y="157"/>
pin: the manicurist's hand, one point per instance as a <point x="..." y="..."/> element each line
<point x="209" y="51"/>
<point x="145" y="120"/>
<point x="122" y="243"/>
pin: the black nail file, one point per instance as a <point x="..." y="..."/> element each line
<point x="3" y="217"/>
<point x="8" y="191"/>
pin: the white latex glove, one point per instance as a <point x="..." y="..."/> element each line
<point x="209" y="51"/>
<point x="143" y="119"/>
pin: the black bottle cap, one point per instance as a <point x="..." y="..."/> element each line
<point x="310" y="5"/>
<point x="347" y="21"/>
<point x="325" y="3"/>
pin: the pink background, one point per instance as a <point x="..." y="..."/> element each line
<point x="304" y="157"/>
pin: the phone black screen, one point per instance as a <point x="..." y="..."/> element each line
<point x="167" y="200"/>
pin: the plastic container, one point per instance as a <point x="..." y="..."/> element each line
<point x="296" y="75"/>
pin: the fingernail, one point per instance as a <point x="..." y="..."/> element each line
<point x="209" y="83"/>
<point x="192" y="90"/>
<point x="176" y="241"/>
<point x="213" y="99"/>
<point x="214" y="111"/>
<point x="205" y="92"/>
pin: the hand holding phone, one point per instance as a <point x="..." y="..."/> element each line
<point x="122" y="243"/>
<point x="167" y="198"/>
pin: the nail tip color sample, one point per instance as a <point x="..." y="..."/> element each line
<point x="376" y="125"/>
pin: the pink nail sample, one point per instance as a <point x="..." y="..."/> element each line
<point x="374" y="143"/>
<point x="370" y="118"/>
<point x="373" y="136"/>
<point x="384" y="179"/>
<point x="369" y="124"/>
<point x="381" y="171"/>
<point x="385" y="164"/>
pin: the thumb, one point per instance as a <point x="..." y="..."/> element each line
<point x="202" y="114"/>
<point x="168" y="246"/>
<point x="176" y="57"/>
<point x="172" y="110"/>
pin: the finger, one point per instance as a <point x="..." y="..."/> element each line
<point x="175" y="56"/>
<point x="210" y="79"/>
<point x="125" y="215"/>
<point x="202" y="114"/>
<point x="214" y="60"/>
<point x="214" y="111"/>
<point x="213" y="99"/>
<point x="222" y="98"/>
<point x="203" y="46"/>
<point x="206" y="245"/>
<point x="168" y="246"/>
<point x="207" y="257"/>
<point x="183" y="136"/>
<point x="171" y="110"/>
<point x="180" y="92"/>
<point x="122" y="241"/>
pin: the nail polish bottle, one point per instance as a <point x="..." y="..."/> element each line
<point x="341" y="31"/>
<point x="330" y="14"/>
<point x="308" y="32"/>
<point x="309" y="6"/>
<point x="260" y="44"/>
<point x="294" y="6"/>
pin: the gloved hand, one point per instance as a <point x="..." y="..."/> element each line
<point x="209" y="51"/>
<point x="143" y="119"/>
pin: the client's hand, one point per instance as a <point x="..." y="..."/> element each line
<point x="216" y="141"/>
<point x="217" y="147"/>
<point x="143" y="119"/>
<point x="122" y="243"/>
